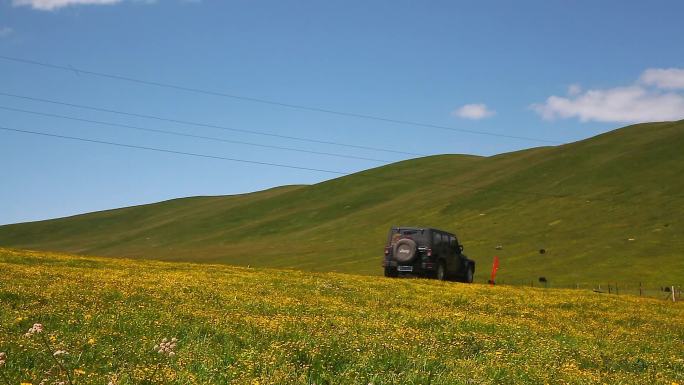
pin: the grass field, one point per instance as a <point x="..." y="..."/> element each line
<point x="261" y="326"/>
<point x="606" y="209"/>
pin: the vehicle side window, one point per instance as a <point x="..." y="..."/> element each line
<point x="452" y="242"/>
<point x="436" y="240"/>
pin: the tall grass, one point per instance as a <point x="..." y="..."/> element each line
<point x="253" y="326"/>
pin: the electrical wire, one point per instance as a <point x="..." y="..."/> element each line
<point x="206" y="125"/>
<point x="170" y="151"/>
<point x="270" y="102"/>
<point x="341" y="173"/>
<point x="177" y="133"/>
<point x="364" y="174"/>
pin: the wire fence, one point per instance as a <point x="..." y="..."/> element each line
<point x="670" y="292"/>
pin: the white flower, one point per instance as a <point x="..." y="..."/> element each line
<point x="166" y="347"/>
<point x="35" y="329"/>
<point x="3" y="359"/>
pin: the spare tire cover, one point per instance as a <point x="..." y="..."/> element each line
<point x="404" y="250"/>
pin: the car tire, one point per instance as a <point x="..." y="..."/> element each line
<point x="469" y="274"/>
<point x="404" y="250"/>
<point x="441" y="273"/>
<point x="391" y="272"/>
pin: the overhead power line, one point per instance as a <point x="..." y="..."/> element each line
<point x="363" y="174"/>
<point x="341" y="173"/>
<point x="271" y="102"/>
<point x="169" y="151"/>
<point x="207" y="125"/>
<point x="183" y="134"/>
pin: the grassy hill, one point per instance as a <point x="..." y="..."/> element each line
<point x="260" y="326"/>
<point x="609" y="208"/>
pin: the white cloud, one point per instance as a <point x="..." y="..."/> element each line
<point x="49" y="5"/>
<point x="473" y="111"/>
<point x="630" y="104"/>
<point x="5" y="31"/>
<point x="670" y="78"/>
<point x="574" y="89"/>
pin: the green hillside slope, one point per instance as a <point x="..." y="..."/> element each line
<point x="608" y="208"/>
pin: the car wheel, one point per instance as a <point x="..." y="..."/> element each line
<point x="404" y="250"/>
<point x="441" y="272"/>
<point x="391" y="272"/>
<point x="470" y="273"/>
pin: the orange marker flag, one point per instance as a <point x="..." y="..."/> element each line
<point x="495" y="267"/>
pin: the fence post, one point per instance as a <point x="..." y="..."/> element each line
<point x="608" y="288"/>
<point x="617" y="292"/>
<point x="641" y="291"/>
<point x="673" y="294"/>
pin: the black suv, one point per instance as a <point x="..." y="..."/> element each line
<point x="427" y="252"/>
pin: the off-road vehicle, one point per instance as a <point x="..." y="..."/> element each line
<point x="426" y="252"/>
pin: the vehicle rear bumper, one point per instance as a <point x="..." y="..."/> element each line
<point x="417" y="267"/>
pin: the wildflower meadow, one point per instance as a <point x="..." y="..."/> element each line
<point x="86" y="320"/>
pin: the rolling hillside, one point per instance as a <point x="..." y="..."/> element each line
<point x="609" y="208"/>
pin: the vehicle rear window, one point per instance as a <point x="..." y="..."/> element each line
<point x="420" y="236"/>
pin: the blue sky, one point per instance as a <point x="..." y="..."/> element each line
<point x="553" y="70"/>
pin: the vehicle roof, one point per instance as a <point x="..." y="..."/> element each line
<point x="421" y="228"/>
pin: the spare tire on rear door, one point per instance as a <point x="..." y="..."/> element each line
<point x="404" y="250"/>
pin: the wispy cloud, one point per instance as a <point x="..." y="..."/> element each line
<point x="50" y="5"/>
<point x="651" y="98"/>
<point x="574" y="89"/>
<point x="475" y="111"/>
<point x="6" y="31"/>
<point x="669" y="78"/>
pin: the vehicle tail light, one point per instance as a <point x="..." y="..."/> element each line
<point x="387" y="250"/>
<point x="429" y="252"/>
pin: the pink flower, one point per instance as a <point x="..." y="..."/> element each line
<point x="35" y="329"/>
